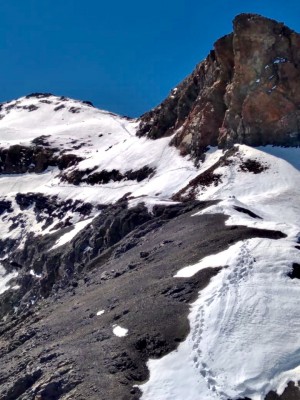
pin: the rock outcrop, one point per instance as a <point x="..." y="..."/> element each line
<point x="18" y="159"/>
<point x="245" y="91"/>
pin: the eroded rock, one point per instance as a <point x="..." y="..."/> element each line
<point x="245" y="91"/>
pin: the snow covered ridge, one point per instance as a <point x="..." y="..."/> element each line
<point x="244" y="339"/>
<point x="62" y="160"/>
<point x="73" y="143"/>
<point x="68" y="161"/>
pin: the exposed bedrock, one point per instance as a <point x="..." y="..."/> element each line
<point x="245" y="91"/>
<point x="60" y="267"/>
<point x="19" y="159"/>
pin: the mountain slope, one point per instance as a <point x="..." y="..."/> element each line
<point x="238" y="345"/>
<point x="63" y="166"/>
<point x="131" y="271"/>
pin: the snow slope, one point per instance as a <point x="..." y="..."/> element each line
<point x="244" y="326"/>
<point x="103" y="141"/>
<point x="244" y="338"/>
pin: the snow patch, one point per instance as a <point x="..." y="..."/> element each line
<point x="216" y="260"/>
<point x="67" y="237"/>
<point x="5" y="278"/>
<point x="119" y="331"/>
<point x="32" y="273"/>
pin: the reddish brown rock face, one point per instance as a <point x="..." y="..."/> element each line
<point x="246" y="91"/>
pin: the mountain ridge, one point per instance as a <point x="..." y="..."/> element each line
<point x="122" y="239"/>
<point x="244" y="92"/>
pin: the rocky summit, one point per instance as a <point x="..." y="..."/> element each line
<point x="245" y="91"/>
<point x="157" y="258"/>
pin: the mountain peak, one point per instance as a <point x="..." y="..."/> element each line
<point x="243" y="92"/>
<point x="246" y="18"/>
<point x="117" y="254"/>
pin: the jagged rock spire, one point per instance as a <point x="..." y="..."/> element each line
<point x="245" y="91"/>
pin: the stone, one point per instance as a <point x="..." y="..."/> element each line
<point x="245" y="91"/>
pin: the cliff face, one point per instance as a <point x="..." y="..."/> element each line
<point x="245" y="91"/>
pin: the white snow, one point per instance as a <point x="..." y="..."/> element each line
<point x="32" y="273"/>
<point x="244" y="326"/>
<point x="239" y="345"/>
<point x="244" y="339"/>
<point x="216" y="260"/>
<point x="119" y="331"/>
<point x="5" y="278"/>
<point x="289" y="154"/>
<point x="67" y="237"/>
<point x="104" y="141"/>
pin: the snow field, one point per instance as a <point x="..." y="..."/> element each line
<point x="244" y="325"/>
<point x="104" y="141"/>
<point x="244" y="337"/>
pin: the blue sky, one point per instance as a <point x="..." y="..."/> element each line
<point x="124" y="56"/>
